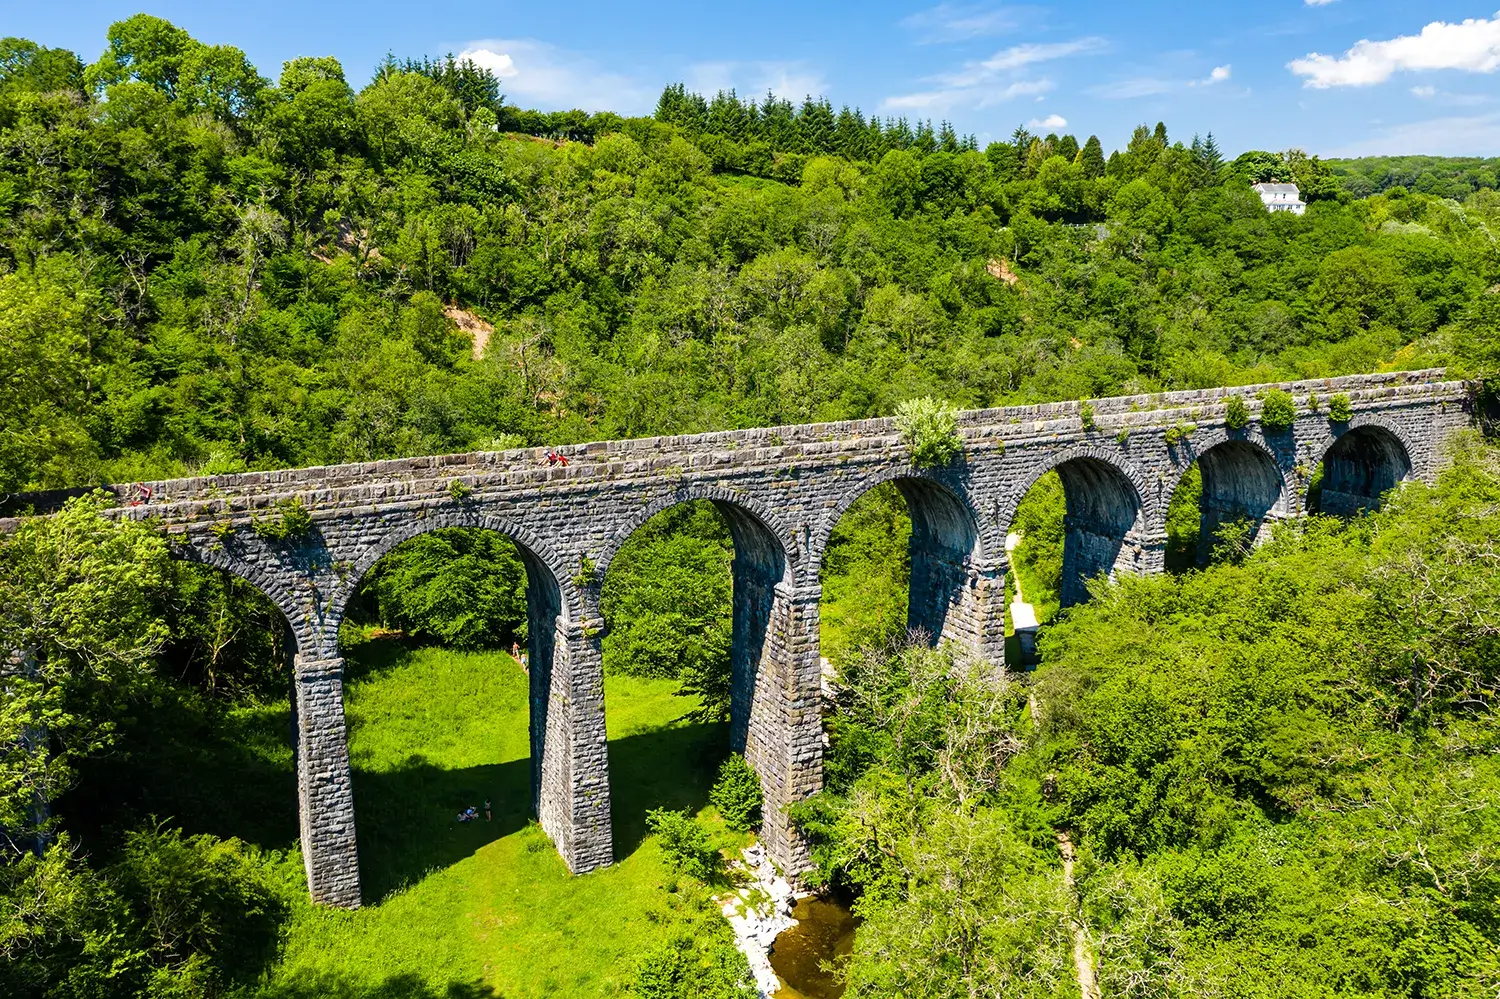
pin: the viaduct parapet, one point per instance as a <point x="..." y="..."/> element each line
<point x="782" y="490"/>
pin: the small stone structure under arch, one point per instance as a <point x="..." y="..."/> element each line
<point x="782" y="489"/>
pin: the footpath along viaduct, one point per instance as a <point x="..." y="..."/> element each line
<point x="781" y="490"/>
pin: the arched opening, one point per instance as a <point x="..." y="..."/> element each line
<point x="771" y="679"/>
<point x="866" y="575"/>
<point x="1083" y="519"/>
<point x="448" y="643"/>
<point x="668" y="607"/>
<point x="1364" y="464"/>
<point x="903" y="557"/>
<point x="1223" y="504"/>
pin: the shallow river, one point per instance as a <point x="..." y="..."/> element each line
<point x="824" y="932"/>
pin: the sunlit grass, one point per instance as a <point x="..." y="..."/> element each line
<point x="433" y="730"/>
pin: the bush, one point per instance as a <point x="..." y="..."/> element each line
<point x="930" y="428"/>
<point x="685" y="842"/>
<point x="736" y="794"/>
<point x="691" y="967"/>
<point x="1339" y="410"/>
<point x="1236" y="415"/>
<point x="1278" y="411"/>
<point x="208" y="909"/>
<point x="1086" y="415"/>
<point x="291" y="520"/>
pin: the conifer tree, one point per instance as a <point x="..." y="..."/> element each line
<point x="850" y="137"/>
<point x="816" y="125"/>
<point x="1091" y="158"/>
<point x="947" y="138"/>
<point x="926" y="139"/>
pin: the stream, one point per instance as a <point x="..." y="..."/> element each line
<point x="824" y="932"/>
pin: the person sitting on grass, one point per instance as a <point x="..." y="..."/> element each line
<point x="468" y="814"/>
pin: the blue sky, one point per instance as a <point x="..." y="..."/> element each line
<point x="1336" y="77"/>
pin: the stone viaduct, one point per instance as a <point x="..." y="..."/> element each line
<point x="781" y="490"/>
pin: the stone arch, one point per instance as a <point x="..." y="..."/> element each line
<point x="1371" y="456"/>
<point x="1145" y="496"/>
<point x="273" y="587"/>
<point x="1109" y="508"/>
<point x="1242" y="478"/>
<point x="539" y="557"/>
<point x="953" y="565"/>
<point x="774" y="718"/>
<point x="742" y="512"/>
<point x="320" y="750"/>
<point x="569" y="758"/>
<point x="948" y="504"/>
<point x="762" y="572"/>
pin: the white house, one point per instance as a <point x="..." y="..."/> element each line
<point x="1281" y="198"/>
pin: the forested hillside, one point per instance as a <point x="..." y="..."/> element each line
<point x="204" y="269"/>
<point x="1278" y="771"/>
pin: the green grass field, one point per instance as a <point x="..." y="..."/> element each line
<point x="461" y="910"/>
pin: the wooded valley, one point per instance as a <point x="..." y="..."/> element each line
<point x="1279" y="770"/>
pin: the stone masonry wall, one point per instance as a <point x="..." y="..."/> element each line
<point x="783" y="490"/>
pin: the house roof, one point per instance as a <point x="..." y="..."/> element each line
<point x="1276" y="188"/>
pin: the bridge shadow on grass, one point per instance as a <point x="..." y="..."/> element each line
<point x="406" y="818"/>
<point x="661" y="768"/>
<point x="200" y="765"/>
<point x="318" y="986"/>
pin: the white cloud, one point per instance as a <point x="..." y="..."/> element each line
<point x="539" y="74"/>
<point x="1318" y="3"/>
<point x="1219" y="74"/>
<point x="985" y="82"/>
<point x="1052" y="121"/>
<point x="788" y="80"/>
<point x="1136" y="86"/>
<point x="940" y="101"/>
<point x="1430" y="93"/>
<point x="956" y="23"/>
<point x="1469" y="135"/>
<point x="1472" y="44"/>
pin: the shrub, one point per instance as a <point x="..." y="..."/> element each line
<point x="1339" y="410"/>
<point x="1179" y="432"/>
<point x="736" y="794"/>
<point x="208" y="907"/>
<point x="588" y="572"/>
<point x="1086" y="415"/>
<point x="1236" y="415"/>
<point x="1278" y="411"/>
<point x="291" y="520"/>
<point x="685" y="842"/>
<point x="701" y="963"/>
<point x="930" y="428"/>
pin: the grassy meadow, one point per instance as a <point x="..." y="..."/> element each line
<point x="476" y="909"/>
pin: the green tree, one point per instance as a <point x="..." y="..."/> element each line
<point x="80" y="605"/>
<point x="463" y="587"/>
<point x="1091" y="158"/>
<point x="44" y="371"/>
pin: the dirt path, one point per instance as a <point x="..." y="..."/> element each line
<point x="1083" y="957"/>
